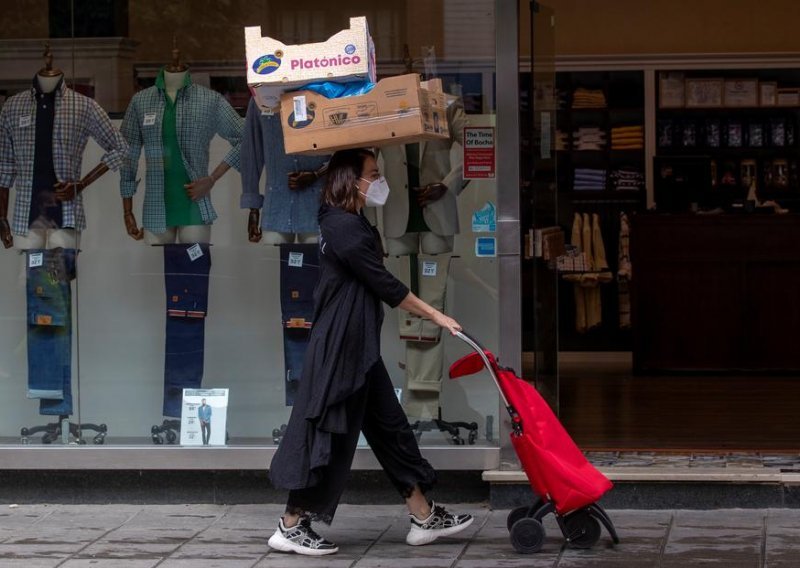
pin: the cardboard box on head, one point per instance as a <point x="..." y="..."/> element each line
<point x="398" y="110"/>
<point x="274" y="67"/>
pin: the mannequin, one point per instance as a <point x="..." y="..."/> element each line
<point x="420" y="220"/>
<point x="43" y="134"/>
<point x="174" y="122"/>
<point x="289" y="219"/>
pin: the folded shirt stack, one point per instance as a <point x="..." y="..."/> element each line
<point x="627" y="179"/>
<point x="589" y="179"/>
<point x="627" y="137"/>
<point x="562" y="140"/>
<point x="588" y="98"/>
<point x="589" y="138"/>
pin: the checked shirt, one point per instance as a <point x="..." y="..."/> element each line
<point x="77" y="117"/>
<point x="200" y="114"/>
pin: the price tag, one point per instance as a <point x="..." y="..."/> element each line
<point x="300" y="109"/>
<point x="36" y="259"/>
<point x="429" y="267"/>
<point x="194" y="252"/>
<point x="149" y="118"/>
<point x="296" y="259"/>
<point x="24" y="121"/>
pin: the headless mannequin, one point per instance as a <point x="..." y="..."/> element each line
<point x="296" y="181"/>
<point x="174" y="78"/>
<point x="48" y="79"/>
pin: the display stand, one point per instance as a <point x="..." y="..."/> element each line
<point x="452" y="428"/>
<point x="169" y="429"/>
<point x="65" y="429"/>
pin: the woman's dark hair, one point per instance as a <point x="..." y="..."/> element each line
<point x="341" y="183"/>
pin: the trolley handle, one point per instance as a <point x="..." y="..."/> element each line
<point x="481" y="350"/>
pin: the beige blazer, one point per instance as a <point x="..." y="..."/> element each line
<point x="435" y="166"/>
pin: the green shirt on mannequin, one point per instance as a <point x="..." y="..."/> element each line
<point x="181" y="210"/>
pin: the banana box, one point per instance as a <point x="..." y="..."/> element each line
<point x="274" y="67"/>
<point x="398" y="110"/>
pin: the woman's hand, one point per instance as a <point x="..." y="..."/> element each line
<point x="446" y="322"/>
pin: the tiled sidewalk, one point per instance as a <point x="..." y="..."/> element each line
<point x="205" y="536"/>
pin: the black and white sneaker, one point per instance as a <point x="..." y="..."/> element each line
<point x="440" y="523"/>
<point x="301" y="539"/>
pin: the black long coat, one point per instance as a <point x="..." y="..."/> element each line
<point x="344" y="343"/>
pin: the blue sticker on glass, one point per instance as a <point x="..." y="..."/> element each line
<point x="266" y="64"/>
<point x="350" y="49"/>
<point x="485" y="246"/>
<point x="484" y="220"/>
<point x="293" y="123"/>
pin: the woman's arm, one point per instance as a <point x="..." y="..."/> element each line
<point x="419" y="308"/>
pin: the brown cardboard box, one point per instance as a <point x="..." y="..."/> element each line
<point x="398" y="110"/>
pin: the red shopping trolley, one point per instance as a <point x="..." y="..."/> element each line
<point x="564" y="482"/>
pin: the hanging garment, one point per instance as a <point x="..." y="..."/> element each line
<point x="587" y="236"/>
<point x="49" y="273"/>
<point x="186" y="283"/>
<point x="580" y="298"/>
<point x="299" y="275"/>
<point x="625" y="273"/>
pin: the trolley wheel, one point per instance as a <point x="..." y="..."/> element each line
<point x="522" y="512"/>
<point x="583" y="530"/>
<point x="157" y="439"/>
<point x="100" y="439"/>
<point x="47" y="438"/>
<point x="171" y="437"/>
<point x="527" y="536"/>
<point x="517" y="514"/>
<point x="80" y="442"/>
<point x="473" y="437"/>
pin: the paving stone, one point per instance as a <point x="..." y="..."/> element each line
<point x="211" y="536"/>
<point x="110" y="563"/>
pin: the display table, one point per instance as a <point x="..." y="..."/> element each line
<point x="716" y="293"/>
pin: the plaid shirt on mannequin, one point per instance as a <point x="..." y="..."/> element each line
<point x="77" y="117"/>
<point x="201" y="113"/>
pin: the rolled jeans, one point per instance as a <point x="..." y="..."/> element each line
<point x="186" y="283"/>
<point x="49" y="305"/>
<point x="299" y="274"/>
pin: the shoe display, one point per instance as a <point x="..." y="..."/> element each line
<point x="301" y="539"/>
<point x="439" y="523"/>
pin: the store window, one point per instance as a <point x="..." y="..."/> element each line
<point x="116" y="301"/>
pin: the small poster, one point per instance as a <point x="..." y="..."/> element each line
<point x="204" y="417"/>
<point x="485" y="247"/>
<point x="479" y="149"/>
<point x="484" y="220"/>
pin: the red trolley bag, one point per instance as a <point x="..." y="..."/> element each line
<point x="564" y="482"/>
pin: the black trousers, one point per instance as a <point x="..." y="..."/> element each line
<point x="376" y="412"/>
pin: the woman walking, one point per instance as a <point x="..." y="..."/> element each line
<point x="345" y="388"/>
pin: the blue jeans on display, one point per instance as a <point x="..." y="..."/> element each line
<point x="186" y="283"/>
<point x="49" y="307"/>
<point x="299" y="273"/>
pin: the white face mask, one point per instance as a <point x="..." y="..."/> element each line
<point x="377" y="192"/>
